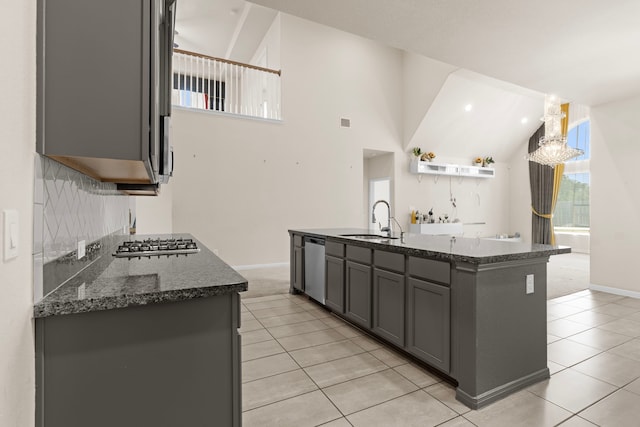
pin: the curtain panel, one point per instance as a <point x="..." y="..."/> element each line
<point x="541" y="180"/>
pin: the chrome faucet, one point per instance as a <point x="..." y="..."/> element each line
<point x="386" y="229"/>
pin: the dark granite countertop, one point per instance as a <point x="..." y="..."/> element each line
<point x="446" y="248"/>
<point x="112" y="282"/>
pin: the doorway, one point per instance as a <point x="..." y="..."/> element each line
<point x="379" y="189"/>
<point x="377" y="181"/>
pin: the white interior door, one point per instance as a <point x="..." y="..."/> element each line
<point x="379" y="189"/>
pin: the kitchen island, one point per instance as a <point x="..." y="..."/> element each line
<point x="150" y="341"/>
<point x="472" y="309"/>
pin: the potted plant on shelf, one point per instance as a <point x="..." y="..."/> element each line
<point x="487" y="161"/>
<point x="477" y="161"/>
<point x="417" y="152"/>
<point x="428" y="157"/>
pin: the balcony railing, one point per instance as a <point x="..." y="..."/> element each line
<point x="215" y="84"/>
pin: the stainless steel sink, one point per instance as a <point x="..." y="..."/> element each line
<point x="369" y="236"/>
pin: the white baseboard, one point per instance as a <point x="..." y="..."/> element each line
<point x="256" y="266"/>
<point x="615" y="291"/>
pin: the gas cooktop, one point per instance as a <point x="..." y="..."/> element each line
<point x="156" y="247"/>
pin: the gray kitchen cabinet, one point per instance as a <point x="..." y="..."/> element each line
<point x="389" y="296"/>
<point x="161" y="365"/>
<point x="466" y="309"/>
<point x="297" y="264"/>
<point x="358" y="293"/>
<point x="428" y="322"/>
<point x="103" y="87"/>
<point x="334" y="274"/>
<point x="388" y="305"/>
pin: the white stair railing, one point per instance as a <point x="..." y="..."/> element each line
<point x="215" y="84"/>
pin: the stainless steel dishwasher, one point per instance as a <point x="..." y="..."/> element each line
<point x="314" y="268"/>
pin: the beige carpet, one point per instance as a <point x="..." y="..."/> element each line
<point x="566" y="274"/>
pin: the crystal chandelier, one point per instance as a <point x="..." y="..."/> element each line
<point x="553" y="149"/>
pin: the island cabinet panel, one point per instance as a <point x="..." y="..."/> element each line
<point x="297" y="263"/>
<point x="388" y="305"/>
<point x="358" y="293"/>
<point x="428" y="322"/>
<point x="334" y="274"/>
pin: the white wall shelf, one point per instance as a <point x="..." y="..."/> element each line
<point x="420" y="167"/>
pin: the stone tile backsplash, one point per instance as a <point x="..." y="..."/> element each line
<point x="69" y="207"/>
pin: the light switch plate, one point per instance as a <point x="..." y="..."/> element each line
<point x="11" y="234"/>
<point x="82" y="249"/>
<point x="529" y="283"/>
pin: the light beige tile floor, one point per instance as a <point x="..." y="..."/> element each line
<point x="303" y="366"/>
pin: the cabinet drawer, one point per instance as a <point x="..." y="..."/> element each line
<point x="429" y="269"/>
<point x="357" y="253"/>
<point x="334" y="248"/>
<point x="389" y="260"/>
<point x="297" y="240"/>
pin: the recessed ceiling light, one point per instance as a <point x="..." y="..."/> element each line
<point x="468" y="107"/>
<point x="524" y="120"/>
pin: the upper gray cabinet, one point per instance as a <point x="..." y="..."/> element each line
<point x="103" y="90"/>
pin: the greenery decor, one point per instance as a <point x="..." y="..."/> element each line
<point x="417" y="151"/>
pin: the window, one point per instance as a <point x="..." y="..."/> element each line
<point x="578" y="137"/>
<point x="572" y="206"/>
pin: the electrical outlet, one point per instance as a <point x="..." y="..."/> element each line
<point x="82" y="249"/>
<point x="529" y="282"/>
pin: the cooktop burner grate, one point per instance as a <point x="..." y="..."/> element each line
<point x="156" y="247"/>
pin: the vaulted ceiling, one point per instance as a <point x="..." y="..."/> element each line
<point x="229" y="29"/>
<point x="504" y="54"/>
<point x="582" y="50"/>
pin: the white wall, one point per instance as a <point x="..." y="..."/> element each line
<point x="17" y="146"/>
<point x="579" y="243"/>
<point x="271" y="45"/>
<point x="478" y="200"/>
<point x="154" y="215"/>
<point x="422" y="80"/>
<point x="240" y="184"/>
<point x="520" y="193"/>
<point x="615" y="195"/>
